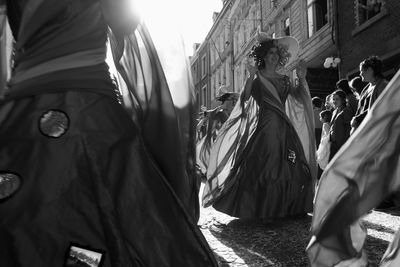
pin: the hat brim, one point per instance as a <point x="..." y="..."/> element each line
<point x="225" y="96"/>
<point x="288" y="42"/>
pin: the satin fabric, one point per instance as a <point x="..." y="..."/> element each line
<point x="263" y="180"/>
<point x="119" y="180"/>
<point x="363" y="172"/>
<point x="96" y="186"/>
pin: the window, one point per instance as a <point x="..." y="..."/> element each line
<point x="286" y="27"/>
<point x="317" y="15"/>
<point x="203" y="67"/>
<point x="367" y="9"/>
<point x="197" y="100"/>
<point x="204" y="96"/>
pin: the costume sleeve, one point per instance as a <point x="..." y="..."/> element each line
<point x="300" y="112"/>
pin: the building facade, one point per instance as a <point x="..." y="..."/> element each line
<point x="347" y="31"/>
<point x="200" y="68"/>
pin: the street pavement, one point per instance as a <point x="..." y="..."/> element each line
<point x="246" y="242"/>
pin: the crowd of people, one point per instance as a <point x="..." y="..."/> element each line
<point x="346" y="107"/>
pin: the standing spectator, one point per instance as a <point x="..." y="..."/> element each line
<point x="357" y="85"/>
<point x="324" y="147"/>
<point x="371" y="72"/>
<point x="317" y="108"/>
<point x="351" y="98"/>
<point x="328" y="103"/>
<point x="340" y="123"/>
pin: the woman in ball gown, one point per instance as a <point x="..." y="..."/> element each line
<point x="263" y="161"/>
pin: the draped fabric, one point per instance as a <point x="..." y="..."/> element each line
<point x="363" y="172"/>
<point x="229" y="144"/>
<point x="5" y="49"/>
<point x="211" y="121"/>
<point x="300" y="112"/>
<point x="167" y="130"/>
<point x="246" y="139"/>
<point x="111" y="177"/>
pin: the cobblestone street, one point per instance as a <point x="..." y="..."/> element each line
<point x="240" y="242"/>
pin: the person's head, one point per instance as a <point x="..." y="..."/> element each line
<point x="325" y="116"/>
<point x="273" y="53"/>
<point x="339" y="99"/>
<point x="266" y="53"/>
<point x="229" y="100"/>
<point x="317" y="102"/>
<point x="371" y="69"/>
<point x="219" y="118"/>
<point x="357" y="85"/>
<point x="328" y="102"/>
<point x="343" y="85"/>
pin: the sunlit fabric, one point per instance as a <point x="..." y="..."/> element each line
<point x="168" y="131"/>
<point x="364" y="171"/>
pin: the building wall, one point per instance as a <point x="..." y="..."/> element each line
<point x="381" y="37"/>
<point x="200" y="74"/>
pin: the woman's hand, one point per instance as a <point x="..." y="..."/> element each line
<point x="251" y="69"/>
<point x="301" y="70"/>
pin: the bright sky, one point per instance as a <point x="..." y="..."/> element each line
<point x="193" y="18"/>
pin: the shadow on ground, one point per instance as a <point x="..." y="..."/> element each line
<point x="280" y="243"/>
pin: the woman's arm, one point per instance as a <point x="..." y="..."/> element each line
<point x="249" y="82"/>
<point x="302" y="86"/>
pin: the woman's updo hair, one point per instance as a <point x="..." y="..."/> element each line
<point x="375" y="63"/>
<point x="260" y="50"/>
<point x="342" y="95"/>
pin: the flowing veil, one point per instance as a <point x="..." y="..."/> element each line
<point x="228" y="146"/>
<point x="156" y="87"/>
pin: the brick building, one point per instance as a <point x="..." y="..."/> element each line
<point x="348" y="30"/>
<point x="369" y="28"/>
